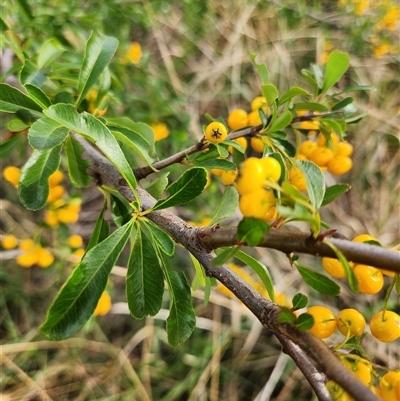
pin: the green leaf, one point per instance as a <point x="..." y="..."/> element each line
<point x="136" y="143"/>
<point x="95" y="131"/>
<point x="286" y="316"/>
<point x="286" y="146"/>
<point x="215" y="163"/>
<point x="251" y="231"/>
<point x="311" y="80"/>
<point x="358" y="88"/>
<point x="12" y="100"/>
<point x="317" y="71"/>
<point x="261" y="68"/>
<point x="318" y="281"/>
<point x="343" y="103"/>
<point x="223" y="255"/>
<point x="38" y="96"/>
<point x="144" y="279"/>
<point x="310" y="106"/>
<point x="7" y="147"/>
<point x="161" y="238"/>
<point x="3" y="26"/>
<point x="332" y="192"/>
<point x="101" y="229"/>
<point x="17" y="125"/>
<point x="99" y="51"/>
<point x="281" y="122"/>
<point x="270" y="93"/>
<point x="304" y="322"/>
<point x="79" y="296"/>
<point x="32" y="74"/>
<point x="77" y="165"/>
<point x="350" y="276"/>
<point x="200" y="275"/>
<point x="157" y="186"/>
<point x="50" y="51"/>
<point x="315" y="182"/>
<point x="182" y="317"/>
<point x="228" y="204"/>
<point x="336" y="65"/>
<point x="189" y="185"/>
<point x="337" y="126"/>
<point x="261" y="270"/>
<point x="291" y="93"/>
<point x="33" y="188"/>
<point x="46" y="133"/>
<point x="281" y="161"/>
<point x="299" y="301"/>
<point x="120" y="210"/>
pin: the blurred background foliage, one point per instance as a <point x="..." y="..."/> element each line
<point x="177" y="61"/>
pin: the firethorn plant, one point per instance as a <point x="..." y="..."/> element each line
<point x="296" y="138"/>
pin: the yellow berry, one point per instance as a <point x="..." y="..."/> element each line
<point x="333" y="267"/>
<point x="28" y="259"/>
<point x="309" y="125"/>
<point x="68" y="214"/>
<point x="256" y="204"/>
<point x="321" y="156"/>
<point x="56" y="178"/>
<point x="324" y="321"/>
<point x="321" y="140"/>
<point x="297" y="179"/>
<point x="251" y="177"/>
<point x="254" y="119"/>
<point x="160" y="130"/>
<point x="272" y="168"/>
<point x="339" y="165"/>
<point x="216" y="132"/>
<point x="307" y="147"/>
<point x="228" y="177"/>
<point x="104" y="305"/>
<point x="343" y="149"/>
<point x="55" y="193"/>
<point x="217" y="171"/>
<point x="259" y="102"/>
<point x="75" y="241"/>
<point x="242" y="141"/>
<point x="351" y="321"/>
<point x="9" y="241"/>
<point x="45" y="258"/>
<point x="370" y="280"/>
<point x="257" y="144"/>
<point x="50" y="218"/>
<point x="12" y="174"/>
<point x="390" y="386"/>
<point x="237" y="119"/>
<point x="300" y="156"/>
<point x="27" y="245"/>
<point x="360" y="368"/>
<point x="385" y="326"/>
<point x="364" y="238"/>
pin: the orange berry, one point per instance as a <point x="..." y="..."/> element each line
<point x="254" y="119"/>
<point x="343" y="149"/>
<point x="257" y="144"/>
<point x="259" y="102"/>
<point x="321" y="140"/>
<point x="370" y="280"/>
<point x="75" y="241"/>
<point x="104" y="305"/>
<point x="55" y="193"/>
<point x="9" y="241"/>
<point x="300" y="156"/>
<point x="321" y="156"/>
<point x="307" y="147"/>
<point x="242" y="141"/>
<point x="385" y="326"/>
<point x="364" y="238"/>
<point x="390" y="386"/>
<point x="351" y="321"/>
<point x="56" y="178"/>
<point x="237" y="119"/>
<point x="309" y="125"/>
<point x="160" y="130"/>
<point x="340" y="165"/>
<point x="45" y="258"/>
<point x="324" y="321"/>
<point x="12" y="174"/>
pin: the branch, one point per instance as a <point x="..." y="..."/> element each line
<point x="266" y="311"/>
